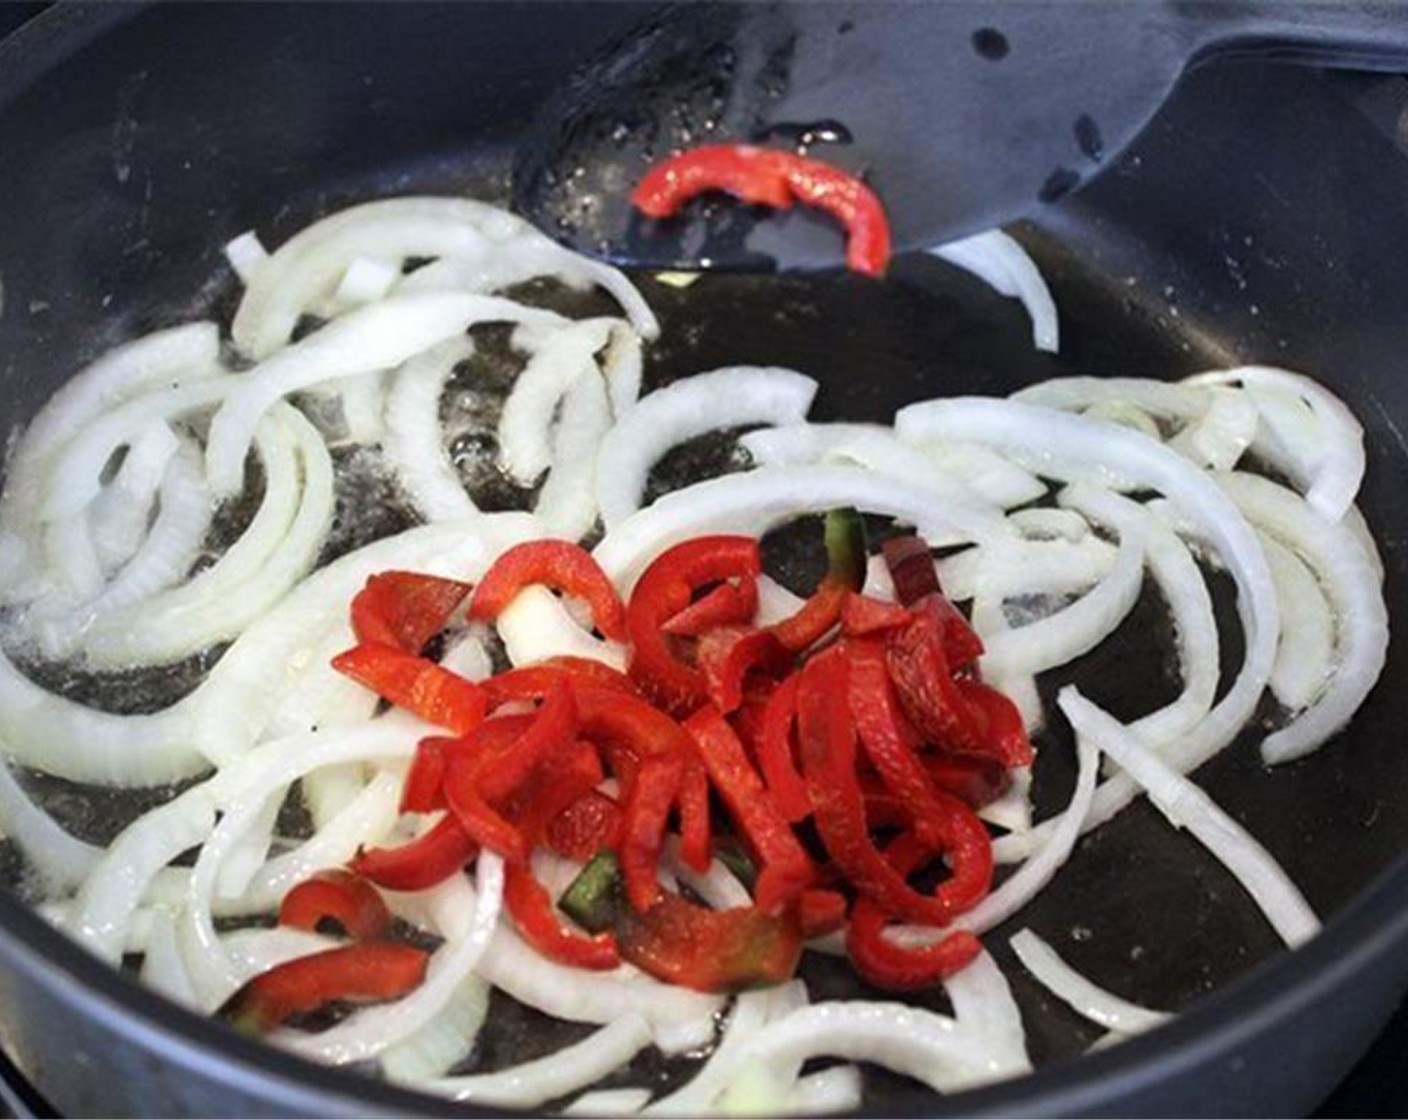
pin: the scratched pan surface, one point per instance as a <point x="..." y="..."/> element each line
<point x="1261" y="219"/>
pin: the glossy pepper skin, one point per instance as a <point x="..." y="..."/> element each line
<point x="560" y="565"/>
<point x="768" y="177"/>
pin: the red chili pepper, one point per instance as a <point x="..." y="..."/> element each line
<point x="533" y="913"/>
<point x="421" y="864"/>
<point x="710" y="950"/>
<point x="585" y="827"/>
<point x="1007" y="738"/>
<point x="821" y="912"/>
<point x="786" y="787"/>
<point x="887" y="965"/>
<point x="727" y="654"/>
<point x="663" y="590"/>
<point x="725" y="605"/>
<point x="419" y="686"/>
<point x="363" y="972"/>
<point x="768" y="177"/>
<point x="862" y="616"/>
<point x="923" y="676"/>
<point x="405" y="610"/>
<point x="562" y="566"/>
<point x="340" y="896"/>
<point x="828" y="741"/>
<point x="424" y="788"/>
<point x="785" y="869"/>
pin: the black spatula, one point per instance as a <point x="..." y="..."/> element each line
<point x="961" y="115"/>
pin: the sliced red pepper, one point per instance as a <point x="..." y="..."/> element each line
<point x="1007" y="738"/>
<point x="817" y="615"/>
<point x="696" y="830"/>
<point x="891" y="966"/>
<point x="588" y="825"/>
<point x="560" y="565"/>
<point x="977" y="779"/>
<point x="598" y="672"/>
<point x="535" y="917"/>
<point x="727" y="654"/>
<point x="419" y="686"/>
<point x="362" y="972"/>
<point x="911" y="567"/>
<point x="424" y="788"/>
<point x="821" y="912"/>
<point x="748" y="719"/>
<point x="429" y="859"/>
<point x="659" y="748"/>
<point x="768" y="177"/>
<point x="710" y="950"/>
<point x="962" y="646"/>
<point x="786" y="787"/>
<point x="862" y="615"/>
<point x="504" y="768"/>
<point x="786" y="868"/>
<point x="828" y="742"/>
<point x="405" y="610"/>
<point x="663" y="590"/>
<point x="923" y="677"/>
<point x="559" y="782"/>
<point x="339" y="896"/>
<point x="728" y="604"/>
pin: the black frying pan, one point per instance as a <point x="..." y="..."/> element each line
<point x="1262" y="218"/>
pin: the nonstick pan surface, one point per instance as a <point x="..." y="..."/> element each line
<point x="1261" y="219"/>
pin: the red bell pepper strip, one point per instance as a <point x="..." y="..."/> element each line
<point x="786" y="787"/>
<point x="728" y="604"/>
<point x="405" y="610"/>
<point x="560" y="565"/>
<point x="535" y="917"/>
<point x="503" y="768"/>
<point x="1007" y="738"/>
<point x="821" y="912"/>
<point x="911" y="567"/>
<point x="727" y="654"/>
<point x="340" y="896"/>
<point x="845" y="572"/>
<point x="923" y="676"/>
<point x="976" y="779"/>
<point x="362" y="972"/>
<point x="660" y="748"/>
<point x="710" y="950"/>
<point x="663" y="590"/>
<point x="828" y="742"/>
<point x="816" y="616"/>
<point x="887" y="965"/>
<point x="962" y="646"/>
<point x="786" y="868"/>
<point x="560" y="781"/>
<point x="598" y="672"/>
<point x="768" y="177"/>
<point x="429" y="859"/>
<point x="419" y="686"/>
<point x="696" y="830"/>
<point x="585" y="827"/>
<point x="424" y="788"/>
<point x="862" y="616"/>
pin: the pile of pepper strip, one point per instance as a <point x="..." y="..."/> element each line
<point x="863" y="717"/>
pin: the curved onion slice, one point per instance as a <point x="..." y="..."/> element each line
<point x="500" y="248"/>
<point x="1187" y="806"/>
<point x="564" y="1071"/>
<point x="1305" y="658"/>
<point x="444" y="1041"/>
<point x="1346" y="574"/>
<point x="61" y="859"/>
<point x="722" y="398"/>
<point x="537" y="625"/>
<point x="567" y="501"/>
<point x="1085" y="997"/>
<point x="999" y="260"/>
<point x="1022" y="567"/>
<point x="118" y="518"/>
<point x="756" y="501"/>
<point x="413" y="427"/>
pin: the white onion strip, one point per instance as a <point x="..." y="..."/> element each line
<point x="1305" y="659"/>
<point x="413" y="429"/>
<point x="1079" y="992"/>
<point x="537" y="625"/>
<point x="722" y="398"/>
<point x="999" y="260"/>
<point x="1187" y="806"/>
<point x="443" y="1042"/>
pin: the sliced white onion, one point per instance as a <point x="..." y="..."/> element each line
<point x="1305" y="657"/>
<point x="1185" y="402"/>
<point x="1079" y="992"/>
<point x="775" y="602"/>
<point x="1325" y="454"/>
<point x="680" y="1019"/>
<point x="443" y="1042"/>
<point x="999" y="260"/>
<point x="119" y="516"/>
<point x="567" y="501"/>
<point x="1187" y="806"/>
<point x="825" y="1092"/>
<point x="1347" y="576"/>
<point x="723" y="398"/>
<point x="537" y="625"/>
<point x="62" y="860"/>
<point x="983" y="1005"/>
<point x="558" y="360"/>
<point x="163" y="970"/>
<point x="756" y="501"/>
<point x="608" y="1102"/>
<point x="564" y="1071"/>
<point x="367" y="280"/>
<point x="246" y="254"/>
<point x="1220" y="435"/>
<point x="413" y="430"/>
<point x="1019" y="567"/>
